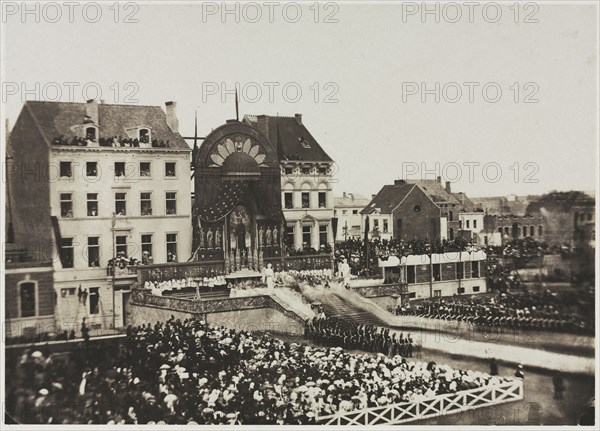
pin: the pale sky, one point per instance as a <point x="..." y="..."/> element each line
<point x="370" y="55"/>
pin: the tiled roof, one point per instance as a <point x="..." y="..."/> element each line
<point x="388" y="198"/>
<point x="350" y="200"/>
<point x="467" y="205"/>
<point x="435" y="190"/>
<point x="292" y="138"/>
<point x="58" y="118"/>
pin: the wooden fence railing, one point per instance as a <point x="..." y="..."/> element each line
<point x="440" y="405"/>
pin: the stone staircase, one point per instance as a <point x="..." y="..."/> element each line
<point x="334" y="304"/>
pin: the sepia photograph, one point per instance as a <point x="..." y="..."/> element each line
<point x="290" y="214"/>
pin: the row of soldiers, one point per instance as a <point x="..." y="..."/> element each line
<point x="337" y="332"/>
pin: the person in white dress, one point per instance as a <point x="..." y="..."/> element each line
<point x="345" y="273"/>
<point x="270" y="277"/>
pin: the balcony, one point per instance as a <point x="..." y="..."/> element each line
<point x="122" y="272"/>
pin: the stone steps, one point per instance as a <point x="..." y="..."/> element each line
<point x="336" y="305"/>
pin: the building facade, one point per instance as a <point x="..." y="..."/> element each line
<point x="502" y="229"/>
<point x="438" y="275"/>
<point x="569" y="218"/>
<point x="115" y="182"/>
<point x="306" y="181"/>
<point x="347" y="210"/>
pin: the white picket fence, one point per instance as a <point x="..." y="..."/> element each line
<point x="439" y="405"/>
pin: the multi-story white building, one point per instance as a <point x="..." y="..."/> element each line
<point x="306" y="181"/>
<point x="347" y="209"/>
<point x="117" y="185"/>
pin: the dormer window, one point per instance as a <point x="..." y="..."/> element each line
<point x="144" y="136"/>
<point x="90" y="134"/>
<point x="303" y="142"/>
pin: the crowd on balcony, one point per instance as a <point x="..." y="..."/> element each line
<point x="176" y="285"/>
<point x="185" y="372"/>
<point x="333" y="331"/>
<point x="114" y="141"/>
<point x="354" y="251"/>
<point x="540" y="310"/>
<point x="314" y="277"/>
<point x="306" y="250"/>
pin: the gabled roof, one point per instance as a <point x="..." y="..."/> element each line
<point x="290" y="136"/>
<point x="467" y="205"/>
<point x="58" y="118"/>
<point x="350" y="200"/>
<point x="388" y="198"/>
<point x="435" y="190"/>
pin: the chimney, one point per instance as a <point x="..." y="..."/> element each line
<point x="399" y="182"/>
<point x="172" y="120"/>
<point x="448" y="187"/>
<point x="91" y="110"/>
<point x="439" y="180"/>
<point x="344" y="195"/>
<point x="298" y="118"/>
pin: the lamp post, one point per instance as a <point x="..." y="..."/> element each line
<point x="428" y="249"/>
<point x="113" y="223"/>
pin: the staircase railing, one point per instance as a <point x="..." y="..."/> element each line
<point x="141" y="297"/>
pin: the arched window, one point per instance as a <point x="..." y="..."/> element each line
<point x="451" y="234"/>
<point x="450" y="216"/>
<point x="27" y="299"/>
<point x="524" y="230"/>
<point x="531" y="230"/>
<point x="540" y="230"/>
<point x="90" y="133"/>
<point x="144" y="136"/>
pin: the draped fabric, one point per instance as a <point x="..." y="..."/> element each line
<point x="229" y="195"/>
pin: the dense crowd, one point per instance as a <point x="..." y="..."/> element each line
<point x="333" y="331"/>
<point x="314" y="277"/>
<point x="544" y="310"/>
<point x="175" y="285"/>
<point x="180" y="372"/>
<point x="306" y="250"/>
<point x="354" y="251"/>
<point x="115" y="141"/>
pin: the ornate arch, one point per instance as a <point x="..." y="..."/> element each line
<point x="233" y="138"/>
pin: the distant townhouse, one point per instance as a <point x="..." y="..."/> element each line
<point x="347" y="210"/>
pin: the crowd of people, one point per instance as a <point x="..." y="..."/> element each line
<point x="185" y="372"/>
<point x="334" y="331"/>
<point x="314" y="277"/>
<point x="544" y="310"/>
<point x="354" y="250"/>
<point x="175" y="285"/>
<point x="115" y="141"/>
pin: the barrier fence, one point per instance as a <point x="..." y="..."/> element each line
<point x="439" y="405"/>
